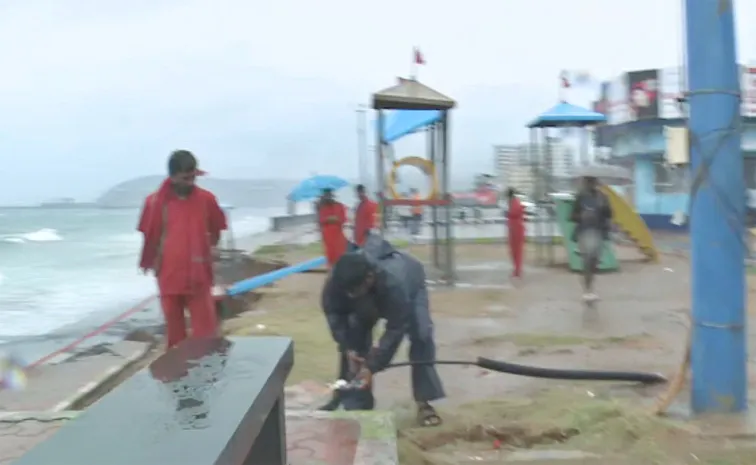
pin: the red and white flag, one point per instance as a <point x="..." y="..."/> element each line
<point x="418" y="57"/>
<point x="564" y="80"/>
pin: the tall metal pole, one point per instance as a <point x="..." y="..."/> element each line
<point x="379" y="178"/>
<point x="718" y="356"/>
<point x="362" y="143"/>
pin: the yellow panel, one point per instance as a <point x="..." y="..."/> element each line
<point x="631" y="223"/>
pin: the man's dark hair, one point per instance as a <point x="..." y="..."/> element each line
<point x="350" y="271"/>
<point x="181" y="161"/>
<point x="360" y="189"/>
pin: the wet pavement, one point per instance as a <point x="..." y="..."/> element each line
<point x="19" y="436"/>
<point x="340" y="438"/>
<point x="56" y="387"/>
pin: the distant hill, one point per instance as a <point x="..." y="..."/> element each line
<point x="255" y="193"/>
<point x="259" y="193"/>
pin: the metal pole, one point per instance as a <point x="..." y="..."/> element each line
<point x="547" y="196"/>
<point x="362" y="143"/>
<point x="450" y="266"/>
<point x="379" y="171"/>
<point x="718" y="355"/>
<point x="433" y="134"/>
<point x="535" y="160"/>
<point x="584" y="158"/>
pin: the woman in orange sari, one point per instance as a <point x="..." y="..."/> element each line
<point x="516" y="226"/>
<point x="332" y="216"/>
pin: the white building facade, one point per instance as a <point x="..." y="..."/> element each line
<point x="514" y="164"/>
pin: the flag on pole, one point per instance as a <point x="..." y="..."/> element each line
<point x="419" y="58"/>
<point x="564" y="80"/>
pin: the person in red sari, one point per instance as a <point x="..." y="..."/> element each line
<point x="332" y="217"/>
<point x="516" y="226"/>
<point x="364" y="216"/>
<point x="182" y="224"/>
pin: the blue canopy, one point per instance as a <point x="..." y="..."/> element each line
<point x="404" y="122"/>
<point x="567" y="114"/>
<point x="313" y="187"/>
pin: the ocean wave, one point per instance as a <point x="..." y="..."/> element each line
<point x="40" y="235"/>
<point x="248" y="225"/>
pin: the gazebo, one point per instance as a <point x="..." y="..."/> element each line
<point x="418" y="106"/>
<point x="563" y="115"/>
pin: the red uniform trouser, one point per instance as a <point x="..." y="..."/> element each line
<point x="202" y="316"/>
<point x="516" y="247"/>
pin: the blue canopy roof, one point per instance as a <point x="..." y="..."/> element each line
<point x="400" y="123"/>
<point x="567" y="114"/>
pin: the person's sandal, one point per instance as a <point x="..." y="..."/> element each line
<point x="427" y="416"/>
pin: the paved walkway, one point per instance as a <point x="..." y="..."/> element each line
<point x="20" y="432"/>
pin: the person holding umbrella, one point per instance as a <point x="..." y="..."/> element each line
<point x="592" y="215"/>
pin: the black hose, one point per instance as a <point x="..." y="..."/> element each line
<point x="549" y="373"/>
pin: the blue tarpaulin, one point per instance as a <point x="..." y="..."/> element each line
<point x="400" y="123"/>
<point x="567" y="114"/>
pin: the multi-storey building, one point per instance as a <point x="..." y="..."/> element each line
<point x="522" y="165"/>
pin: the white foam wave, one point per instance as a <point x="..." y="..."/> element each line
<point x="249" y="225"/>
<point x="40" y="235"/>
<point x="14" y="240"/>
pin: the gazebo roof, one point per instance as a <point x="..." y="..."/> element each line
<point x="567" y="114"/>
<point x="410" y="94"/>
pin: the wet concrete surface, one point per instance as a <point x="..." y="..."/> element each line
<point x="53" y="387"/>
<point x="18" y="437"/>
<point x="340" y="438"/>
<point x="640" y="325"/>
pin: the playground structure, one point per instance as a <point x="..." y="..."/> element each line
<point x="416" y="107"/>
<point x="555" y="210"/>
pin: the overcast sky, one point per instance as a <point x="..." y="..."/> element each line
<point x="93" y="92"/>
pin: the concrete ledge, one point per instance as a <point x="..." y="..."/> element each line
<point x="286" y="222"/>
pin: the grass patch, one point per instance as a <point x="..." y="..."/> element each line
<point x="555" y="419"/>
<point x="315" y="355"/>
<point x="547" y="340"/>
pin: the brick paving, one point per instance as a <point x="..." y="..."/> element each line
<point x="327" y="441"/>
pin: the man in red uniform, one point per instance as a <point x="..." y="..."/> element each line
<point x="364" y="216"/>
<point x="182" y="223"/>
<point x="332" y="217"/>
<point x="516" y="226"/>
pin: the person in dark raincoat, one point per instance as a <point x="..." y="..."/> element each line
<point x="375" y="283"/>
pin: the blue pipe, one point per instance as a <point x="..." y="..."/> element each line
<point x="718" y="352"/>
<point x="259" y="281"/>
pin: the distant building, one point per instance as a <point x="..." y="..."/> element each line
<point x="516" y="165"/>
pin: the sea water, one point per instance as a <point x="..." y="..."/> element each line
<point x="59" y="267"/>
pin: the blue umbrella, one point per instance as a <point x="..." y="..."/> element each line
<point x="313" y="187"/>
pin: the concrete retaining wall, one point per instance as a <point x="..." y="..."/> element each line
<point x="288" y="222"/>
